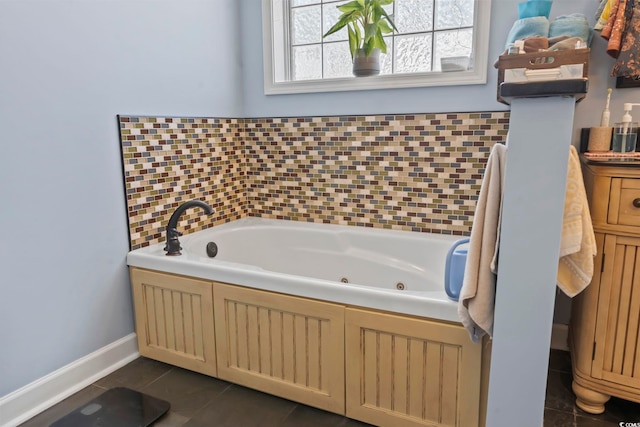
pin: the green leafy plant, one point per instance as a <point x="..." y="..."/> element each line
<point x="366" y="22"/>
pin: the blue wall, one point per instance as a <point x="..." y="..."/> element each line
<point x="68" y="67"/>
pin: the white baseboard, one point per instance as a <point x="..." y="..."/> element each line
<point x="560" y="337"/>
<point x="28" y="401"/>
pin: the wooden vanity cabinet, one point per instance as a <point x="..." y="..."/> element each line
<point x="605" y="321"/>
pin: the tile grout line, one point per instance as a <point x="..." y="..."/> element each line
<point x="290" y="412"/>
<point x="158" y="378"/>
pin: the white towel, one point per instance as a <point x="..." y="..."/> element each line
<point x="578" y="243"/>
<point x="477" y="296"/>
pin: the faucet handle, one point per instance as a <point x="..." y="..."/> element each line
<point x="172" y="246"/>
<point x="172" y="233"/>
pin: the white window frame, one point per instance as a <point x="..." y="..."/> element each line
<point x="274" y="53"/>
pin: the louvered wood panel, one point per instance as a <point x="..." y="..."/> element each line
<point x="174" y="319"/>
<point x="283" y="345"/>
<point x="410" y="372"/>
<point x="617" y="355"/>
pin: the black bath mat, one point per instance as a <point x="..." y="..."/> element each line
<point x="117" y="407"/>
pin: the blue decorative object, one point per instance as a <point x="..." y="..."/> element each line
<point x="531" y="8"/>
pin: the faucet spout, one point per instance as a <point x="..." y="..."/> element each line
<point x="172" y="246"/>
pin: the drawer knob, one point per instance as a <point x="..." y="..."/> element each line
<point x="636" y="202"/>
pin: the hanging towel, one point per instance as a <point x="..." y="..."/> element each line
<point x="607" y="28"/>
<point x="602" y="14"/>
<point x="628" y="61"/>
<point x="475" y="305"/>
<point x="578" y="243"/>
<point x="616" y="25"/>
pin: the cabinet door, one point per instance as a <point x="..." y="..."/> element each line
<point x="408" y="372"/>
<point x="283" y="345"/>
<point x="584" y="313"/>
<point x="174" y="319"/>
<point x="617" y="347"/>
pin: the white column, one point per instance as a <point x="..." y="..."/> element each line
<point x="540" y="133"/>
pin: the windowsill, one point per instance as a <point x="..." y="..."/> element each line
<point x="378" y="82"/>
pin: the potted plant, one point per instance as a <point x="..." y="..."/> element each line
<point x="366" y="22"/>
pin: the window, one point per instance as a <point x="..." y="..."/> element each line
<point x="298" y="59"/>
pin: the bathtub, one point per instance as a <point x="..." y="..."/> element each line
<point x="396" y="271"/>
<point x="347" y="319"/>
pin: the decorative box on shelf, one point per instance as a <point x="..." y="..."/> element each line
<point x="544" y="73"/>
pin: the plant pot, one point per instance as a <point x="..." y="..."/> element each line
<point x="364" y="66"/>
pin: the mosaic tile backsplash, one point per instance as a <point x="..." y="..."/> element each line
<point x="168" y="161"/>
<point x="419" y="172"/>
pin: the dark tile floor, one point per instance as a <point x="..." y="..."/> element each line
<point x="198" y="400"/>
<point x="560" y="410"/>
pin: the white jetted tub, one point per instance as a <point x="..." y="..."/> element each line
<point x="348" y="319"/>
<point x="391" y="270"/>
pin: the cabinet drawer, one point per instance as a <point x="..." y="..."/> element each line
<point x="624" y="205"/>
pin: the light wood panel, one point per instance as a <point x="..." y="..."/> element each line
<point x="174" y="319"/>
<point x="617" y="354"/>
<point x="583" y="314"/>
<point x="405" y="371"/>
<point x="287" y="346"/>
